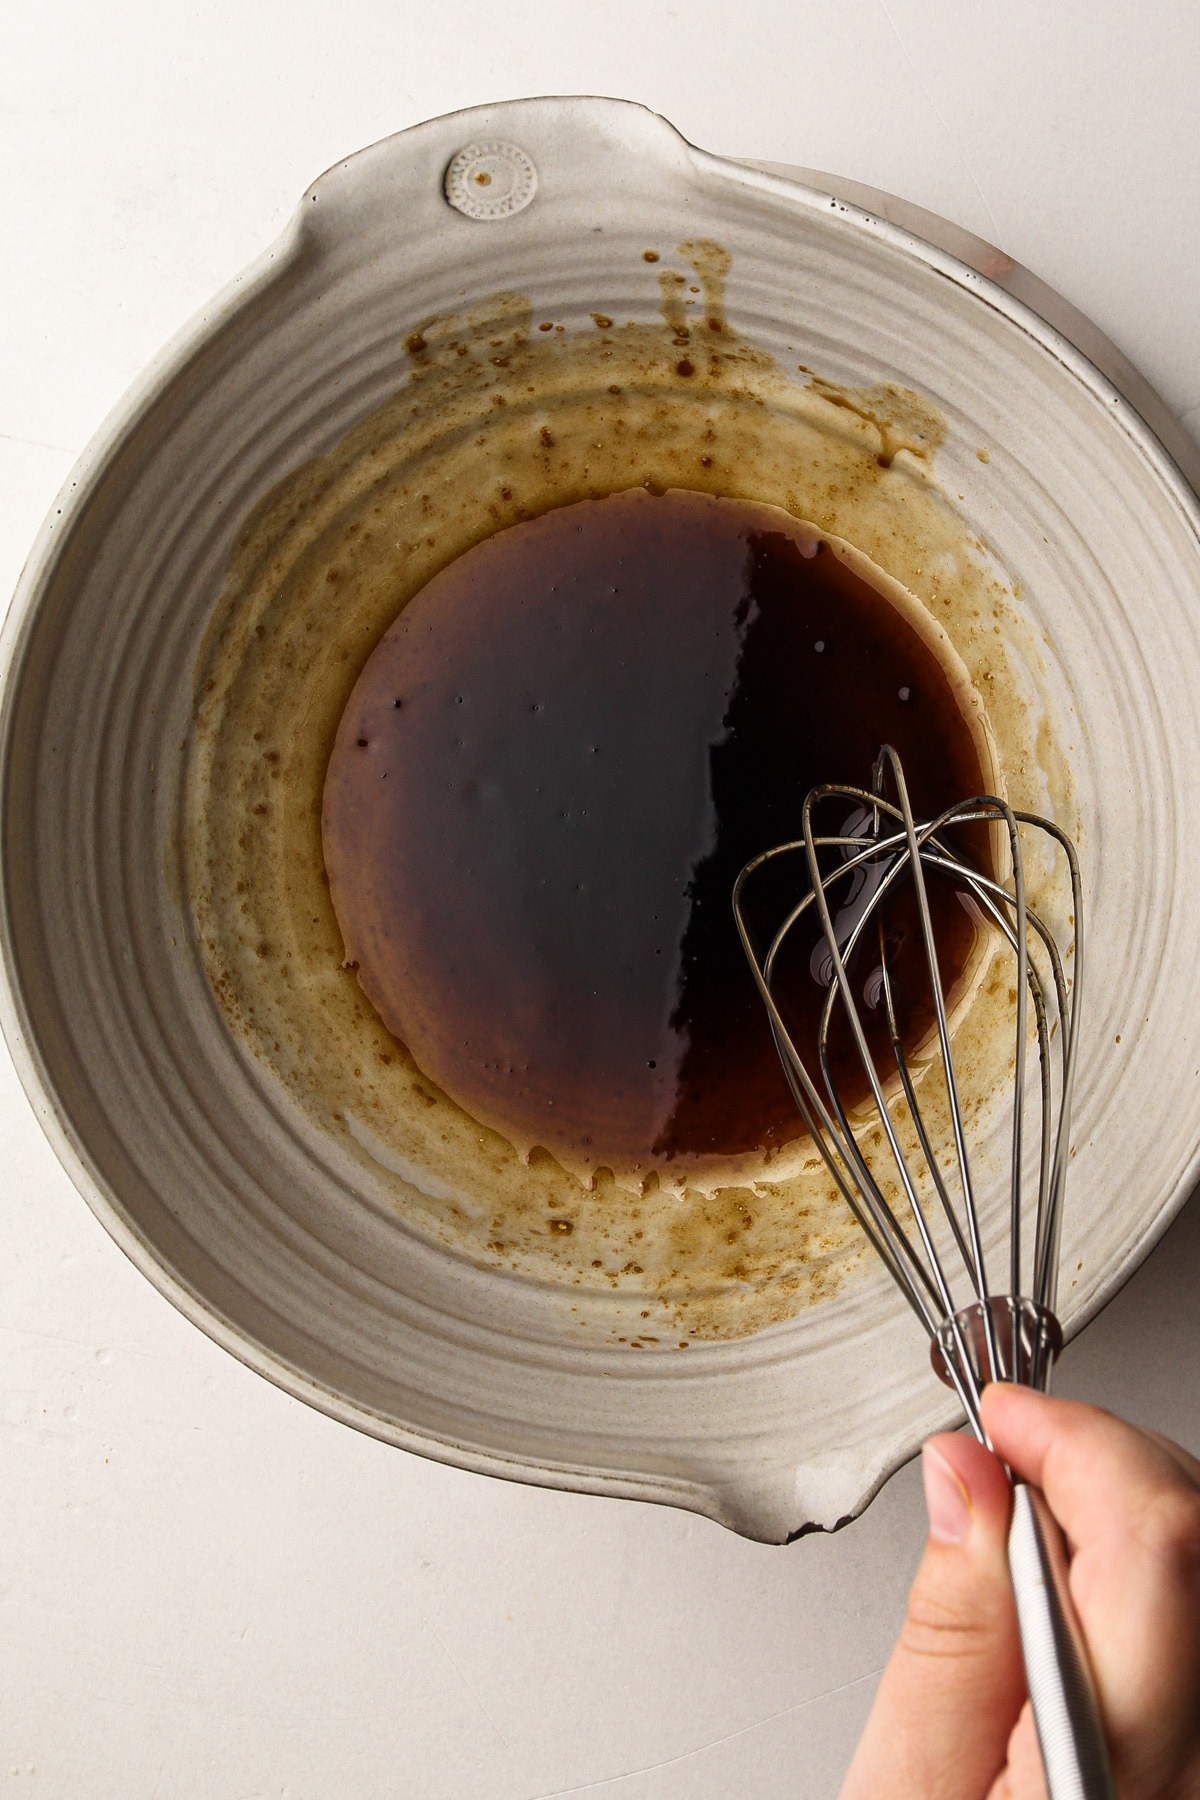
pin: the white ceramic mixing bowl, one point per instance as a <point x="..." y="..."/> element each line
<point x="198" y="1166"/>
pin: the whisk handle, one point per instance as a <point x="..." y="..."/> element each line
<point x="1061" y="1692"/>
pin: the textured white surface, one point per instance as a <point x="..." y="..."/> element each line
<point x="206" y="1590"/>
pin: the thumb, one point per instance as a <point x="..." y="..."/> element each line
<point x="951" y="1693"/>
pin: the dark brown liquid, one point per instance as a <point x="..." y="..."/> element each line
<point x="547" y="779"/>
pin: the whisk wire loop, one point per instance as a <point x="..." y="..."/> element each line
<point x="883" y="846"/>
<point x="888" y="761"/>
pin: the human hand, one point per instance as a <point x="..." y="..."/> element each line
<point x="950" y="1719"/>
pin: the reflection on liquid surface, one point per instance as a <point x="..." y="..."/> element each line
<point x="546" y="780"/>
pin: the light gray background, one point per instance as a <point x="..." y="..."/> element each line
<point x="206" y="1590"/>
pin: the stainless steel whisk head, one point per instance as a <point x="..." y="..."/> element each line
<point x="1010" y="1333"/>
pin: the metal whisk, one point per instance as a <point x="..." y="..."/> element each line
<point x="930" y="1237"/>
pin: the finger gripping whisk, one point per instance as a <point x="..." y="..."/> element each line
<point x="901" y="1158"/>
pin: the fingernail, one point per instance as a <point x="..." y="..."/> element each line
<point x="946" y="1499"/>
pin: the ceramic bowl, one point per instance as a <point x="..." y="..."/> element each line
<point x="195" y="1163"/>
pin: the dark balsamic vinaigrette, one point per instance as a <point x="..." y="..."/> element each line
<point x="547" y="778"/>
